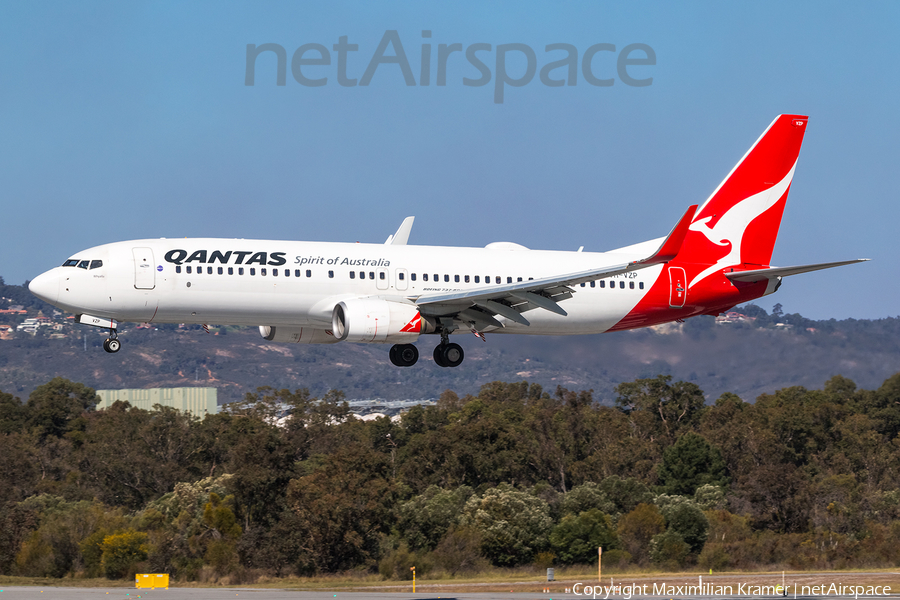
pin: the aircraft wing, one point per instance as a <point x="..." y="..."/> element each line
<point x="777" y="272"/>
<point x="480" y="306"/>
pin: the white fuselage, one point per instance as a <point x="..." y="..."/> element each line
<point x="263" y="282"/>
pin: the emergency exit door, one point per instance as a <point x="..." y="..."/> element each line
<point x="677" y="287"/>
<point x="144" y="271"/>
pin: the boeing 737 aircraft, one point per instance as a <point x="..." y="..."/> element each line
<point x="715" y="257"/>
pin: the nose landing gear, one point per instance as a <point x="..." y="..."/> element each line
<point x="112" y="343"/>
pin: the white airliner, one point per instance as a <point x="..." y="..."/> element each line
<point x="716" y="256"/>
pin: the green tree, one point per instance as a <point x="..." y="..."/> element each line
<point x="663" y="407"/>
<point x="341" y="510"/>
<point x="625" y="492"/>
<point x="513" y="525"/>
<point x="576" y="538"/>
<point x="690" y="463"/>
<point x="685" y="517"/>
<point x="584" y="497"/>
<point x="669" y="549"/>
<point x="426" y="518"/>
<point x="55" y="408"/>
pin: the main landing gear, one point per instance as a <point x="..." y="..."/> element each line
<point x="445" y="354"/>
<point x="448" y="355"/>
<point x="404" y="355"/>
<point x="112" y="343"/>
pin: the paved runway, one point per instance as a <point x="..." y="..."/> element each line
<point x="61" y="593"/>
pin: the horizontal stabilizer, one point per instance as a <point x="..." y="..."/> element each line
<point x="670" y="247"/>
<point x="775" y="272"/>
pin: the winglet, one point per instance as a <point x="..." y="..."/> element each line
<point x="402" y="236"/>
<point x="672" y="244"/>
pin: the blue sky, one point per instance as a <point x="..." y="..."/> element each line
<point x="132" y="120"/>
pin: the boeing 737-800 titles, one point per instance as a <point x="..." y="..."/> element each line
<point x="715" y="257"/>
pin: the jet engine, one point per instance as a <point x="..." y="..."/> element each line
<point x="374" y="320"/>
<point x="296" y="335"/>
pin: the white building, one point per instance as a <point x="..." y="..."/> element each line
<point x="199" y="401"/>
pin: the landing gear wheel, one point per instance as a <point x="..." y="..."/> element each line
<point x="112" y="345"/>
<point x="404" y="355"/>
<point x="452" y="355"/>
<point x="439" y="356"/>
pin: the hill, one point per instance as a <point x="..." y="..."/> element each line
<point x="748" y="353"/>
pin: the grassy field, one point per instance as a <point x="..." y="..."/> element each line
<point x="524" y="580"/>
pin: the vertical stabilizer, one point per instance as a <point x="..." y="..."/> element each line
<point x="739" y="222"/>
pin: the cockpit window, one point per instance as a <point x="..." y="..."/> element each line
<point x="96" y="264"/>
<point x="72" y="262"/>
<point x="83" y="264"/>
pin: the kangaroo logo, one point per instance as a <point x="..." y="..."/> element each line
<point x="729" y="230"/>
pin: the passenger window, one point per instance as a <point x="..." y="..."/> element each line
<point x="262" y="271"/>
<point x="188" y="268"/>
<point x="253" y="271"/>
<point x="381" y="275"/>
<point x="178" y="269"/>
<point x="509" y="280"/>
<point x="593" y="284"/>
<point x="240" y="270"/>
<point x="96" y="264"/>
<point x="274" y="272"/>
<point x="424" y="276"/>
<point x="72" y="262"/>
<point x="583" y="284"/>
<point x="456" y="278"/>
<point x="309" y="272"/>
<point x="352" y="274"/>
<point x="400" y="275"/>
<point x="518" y="279"/>
<point x="221" y="270"/>
<point x="436" y="278"/>
<point x="641" y="284"/>
<point x="331" y="274"/>
<point x="412" y="276"/>
<point x="477" y="278"/>
<point x="296" y="272"/>
<point x="208" y="270"/>
<point x="498" y="279"/>
<point x="231" y="270"/>
<point x="622" y="285"/>
<point x="602" y="283"/>
<point x="287" y="272"/>
<point x="631" y="284"/>
<point x="371" y="274"/>
<point x="83" y="264"/>
<point x="446" y="279"/>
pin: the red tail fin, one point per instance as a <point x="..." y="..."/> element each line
<point x="738" y="224"/>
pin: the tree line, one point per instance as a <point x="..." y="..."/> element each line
<point x="287" y="484"/>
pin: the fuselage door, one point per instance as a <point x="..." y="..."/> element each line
<point x="677" y="287"/>
<point x="144" y="271"/>
<point x="402" y="282"/>
<point x="382" y="280"/>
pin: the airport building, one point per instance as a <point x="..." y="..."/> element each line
<point x="199" y="401"/>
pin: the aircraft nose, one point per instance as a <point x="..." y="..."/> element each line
<point x="46" y="287"/>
